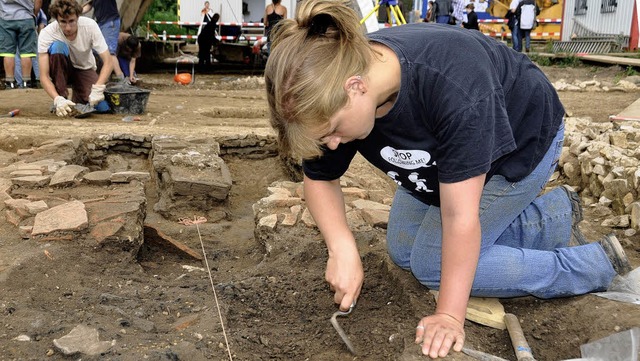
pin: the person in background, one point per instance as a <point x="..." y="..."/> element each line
<point x="41" y="22"/>
<point x="108" y="18"/>
<point x="472" y="18"/>
<point x="129" y="49"/>
<point x="66" y="47"/>
<point x="207" y="11"/>
<point x="207" y="35"/>
<point x="526" y="13"/>
<point x="273" y="13"/>
<point x="431" y="12"/>
<point x="444" y="9"/>
<point x="18" y="34"/>
<point x="514" y="25"/>
<point x="473" y="132"/>
<point x="458" y="12"/>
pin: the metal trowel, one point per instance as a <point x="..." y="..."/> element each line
<point x="343" y="335"/>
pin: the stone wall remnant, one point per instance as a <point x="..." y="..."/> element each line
<point x="191" y="178"/>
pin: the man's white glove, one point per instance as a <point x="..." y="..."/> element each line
<point x="97" y="94"/>
<point x="63" y="106"/>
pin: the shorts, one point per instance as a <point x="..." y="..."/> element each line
<point x="18" y="35"/>
<point x="110" y="30"/>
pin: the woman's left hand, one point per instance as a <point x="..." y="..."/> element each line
<point x="437" y="333"/>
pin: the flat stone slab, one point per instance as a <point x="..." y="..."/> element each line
<point x="17" y="203"/>
<point x="82" y="339"/>
<point x="209" y="182"/>
<point x="31" y="181"/>
<point x="67" y="175"/>
<point x="371" y="205"/>
<point x="36" y="207"/>
<point x="26" y="173"/>
<point x="376" y="217"/>
<point x="110" y="209"/>
<point x="100" y="178"/>
<point x="70" y="216"/>
<point x="128" y="176"/>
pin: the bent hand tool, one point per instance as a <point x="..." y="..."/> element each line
<point x="343" y="335"/>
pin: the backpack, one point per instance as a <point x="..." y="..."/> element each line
<point x="510" y="18"/>
<point x="527" y="11"/>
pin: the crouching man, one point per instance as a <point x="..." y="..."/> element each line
<point x="66" y="59"/>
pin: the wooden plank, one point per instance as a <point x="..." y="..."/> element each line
<point x="610" y="59"/>
<point x="483" y="310"/>
<point x="632" y="112"/>
<point x="153" y="234"/>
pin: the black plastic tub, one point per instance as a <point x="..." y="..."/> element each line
<point x="126" y="99"/>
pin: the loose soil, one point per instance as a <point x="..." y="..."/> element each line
<point x="274" y="307"/>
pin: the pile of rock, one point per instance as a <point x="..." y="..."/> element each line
<point x="602" y="160"/>
<point x="284" y="208"/>
<point x="628" y="84"/>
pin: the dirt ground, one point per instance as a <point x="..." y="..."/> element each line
<point x="273" y="308"/>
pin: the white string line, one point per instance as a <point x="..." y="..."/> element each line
<point x="196" y="221"/>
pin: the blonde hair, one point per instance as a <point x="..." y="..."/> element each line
<point x="311" y="58"/>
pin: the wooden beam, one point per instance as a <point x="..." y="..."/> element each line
<point x="608" y="59"/>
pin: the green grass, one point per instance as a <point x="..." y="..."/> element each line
<point x="628" y="71"/>
<point x="541" y="60"/>
<point x="569" y="62"/>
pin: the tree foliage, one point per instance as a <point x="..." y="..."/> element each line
<point x="163" y="10"/>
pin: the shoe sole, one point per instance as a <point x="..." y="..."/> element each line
<point x="577" y="238"/>
<point x="622" y="262"/>
<point x="576" y="203"/>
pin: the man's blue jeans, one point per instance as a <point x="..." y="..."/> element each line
<point x="524" y="239"/>
<point x="525" y="36"/>
<point x="515" y="37"/>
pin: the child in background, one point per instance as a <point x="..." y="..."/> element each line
<point x="472" y="18"/>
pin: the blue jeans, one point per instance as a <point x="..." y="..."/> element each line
<point x="515" y="37"/>
<point x="526" y="35"/>
<point x="524" y="239"/>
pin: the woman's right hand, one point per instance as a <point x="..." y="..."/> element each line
<point x="345" y="275"/>
<point x="344" y="267"/>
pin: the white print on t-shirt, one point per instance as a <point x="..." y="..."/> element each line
<point x="420" y="185"/>
<point x="393" y="176"/>
<point x="406" y="159"/>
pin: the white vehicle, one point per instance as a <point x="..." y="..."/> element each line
<point x="231" y="11"/>
<point x="252" y="11"/>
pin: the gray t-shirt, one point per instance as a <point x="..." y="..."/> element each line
<point x="467" y="105"/>
<point x="16" y="9"/>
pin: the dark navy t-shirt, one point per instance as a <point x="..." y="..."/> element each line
<point x="105" y="10"/>
<point x="467" y="105"/>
